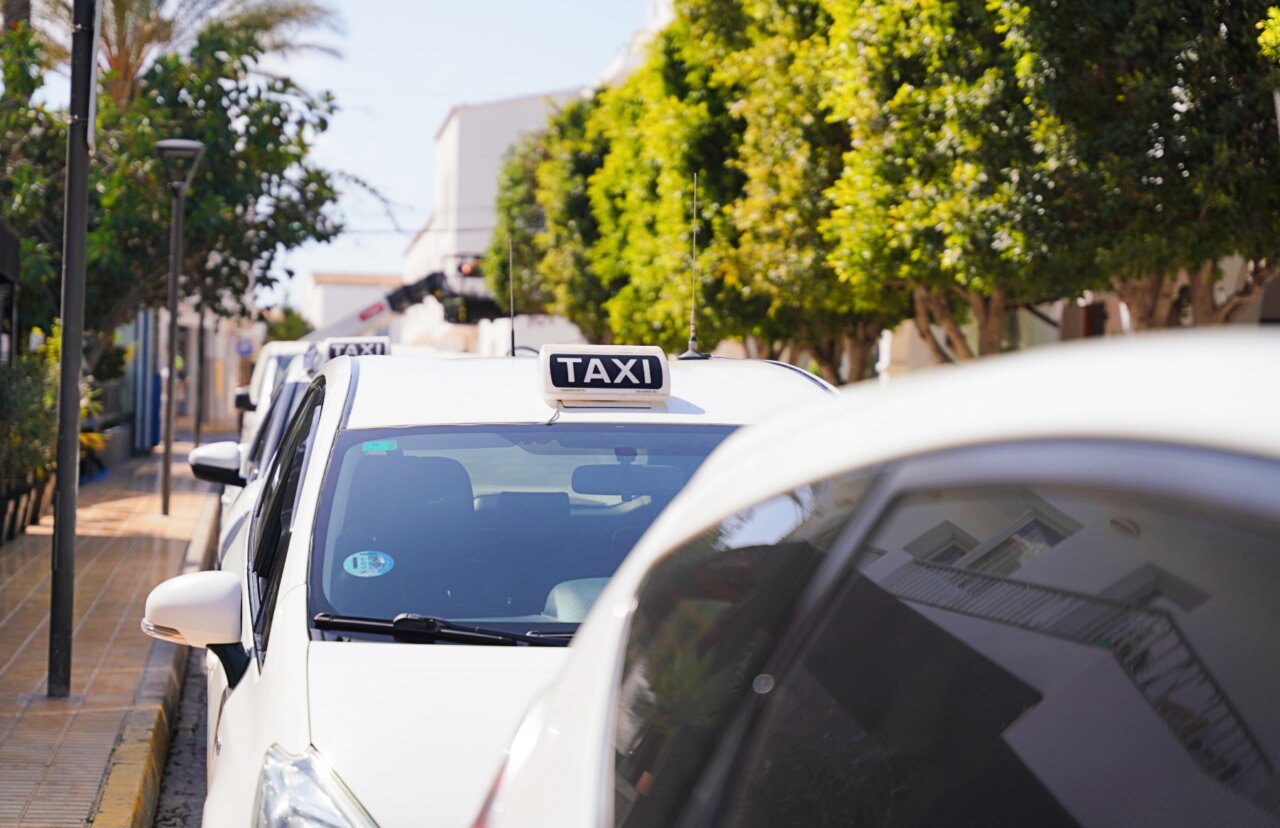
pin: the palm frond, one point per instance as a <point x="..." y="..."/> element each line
<point x="135" y="32"/>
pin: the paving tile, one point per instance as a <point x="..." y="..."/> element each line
<point x="54" y="753"/>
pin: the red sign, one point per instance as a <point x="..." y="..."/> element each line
<point x="372" y="311"/>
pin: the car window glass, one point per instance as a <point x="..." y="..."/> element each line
<point x="276" y="515"/>
<point x="258" y="446"/>
<point x="706" y="618"/>
<point x="512" y="525"/>
<point x="288" y="398"/>
<point x="1034" y="656"/>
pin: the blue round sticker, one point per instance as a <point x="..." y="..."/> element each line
<point x="368" y="564"/>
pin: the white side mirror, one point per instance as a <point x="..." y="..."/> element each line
<point x="218" y="463"/>
<point x="200" y="609"/>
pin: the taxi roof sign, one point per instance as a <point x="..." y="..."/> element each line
<point x="637" y="374"/>
<point x="353" y="346"/>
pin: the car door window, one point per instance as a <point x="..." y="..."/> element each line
<point x="1033" y="656"/>
<point x="273" y="520"/>
<point x="257" y="448"/>
<point x="706" y="617"/>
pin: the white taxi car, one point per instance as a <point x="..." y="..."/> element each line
<point x="426" y="541"/>
<point x="1040" y="590"/>
<point x="268" y="373"/>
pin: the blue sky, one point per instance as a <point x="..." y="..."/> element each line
<point x="404" y="64"/>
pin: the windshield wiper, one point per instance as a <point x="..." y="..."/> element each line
<point x="424" y="629"/>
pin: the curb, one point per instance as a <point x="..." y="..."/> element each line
<point x="131" y="786"/>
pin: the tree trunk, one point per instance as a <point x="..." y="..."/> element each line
<point x="1152" y="300"/>
<point x="15" y="12"/>
<point x="988" y="315"/>
<point x="828" y="354"/>
<point x="859" y="345"/>
<point x="1201" y="285"/>
<point x="924" y="327"/>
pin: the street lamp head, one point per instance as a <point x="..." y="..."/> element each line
<point x="181" y="156"/>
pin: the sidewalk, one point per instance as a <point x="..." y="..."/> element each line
<point x="55" y="754"/>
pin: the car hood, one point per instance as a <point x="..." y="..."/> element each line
<point x="418" y="731"/>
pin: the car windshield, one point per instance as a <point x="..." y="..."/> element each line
<point x="512" y="527"/>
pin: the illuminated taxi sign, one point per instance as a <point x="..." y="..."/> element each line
<point x="635" y="374"/>
<point x="354" y="346"/>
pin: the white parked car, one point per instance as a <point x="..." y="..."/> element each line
<point x="1041" y="590"/>
<point x="268" y="372"/>
<point x="426" y="542"/>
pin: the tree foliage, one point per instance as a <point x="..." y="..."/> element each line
<point x="28" y="413"/>
<point x="1165" y="113"/>
<point x="255" y="195"/>
<point x="1269" y="37"/>
<point x="947" y="190"/>
<point x="943" y="161"/>
<point x="572" y="154"/>
<point x="663" y="125"/>
<point x="290" y="326"/>
<point x="519" y="228"/>
<point x="134" y="34"/>
<point x="791" y="154"/>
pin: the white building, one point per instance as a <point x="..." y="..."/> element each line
<point x="335" y="295"/>
<point x="471" y="146"/>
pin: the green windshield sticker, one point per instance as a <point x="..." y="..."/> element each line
<point x="379" y="445"/>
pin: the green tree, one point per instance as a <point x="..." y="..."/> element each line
<point x="289" y="327"/>
<point x="1165" y="112"/>
<point x="947" y="190"/>
<point x="572" y="154"/>
<point x="791" y="154"/>
<point x="665" y="123"/>
<point x="520" y="222"/>
<point x="1269" y="38"/>
<point x="32" y="156"/>
<point x="256" y="194"/>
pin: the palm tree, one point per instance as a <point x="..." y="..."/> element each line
<point x="135" y="32"/>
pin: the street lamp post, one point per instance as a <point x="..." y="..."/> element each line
<point x="181" y="156"/>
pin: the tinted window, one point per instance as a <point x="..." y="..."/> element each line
<point x="271" y="429"/>
<point x="706" y="618"/>
<point x="509" y="525"/>
<point x="273" y="520"/>
<point x="1086" y="657"/>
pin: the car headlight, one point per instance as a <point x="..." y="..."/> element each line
<point x="298" y="790"/>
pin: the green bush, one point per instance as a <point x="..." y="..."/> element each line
<point x="28" y="414"/>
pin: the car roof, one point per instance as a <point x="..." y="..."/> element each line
<point x="298" y="371"/>
<point x="284" y="347"/>
<point x="417" y="390"/>
<point x="1213" y="389"/>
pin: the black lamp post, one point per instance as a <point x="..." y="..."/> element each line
<point x="181" y="156"/>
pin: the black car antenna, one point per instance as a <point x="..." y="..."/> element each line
<point x="693" y="352"/>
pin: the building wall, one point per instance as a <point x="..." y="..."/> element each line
<point x="336" y="295"/>
<point x="471" y="146"/>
